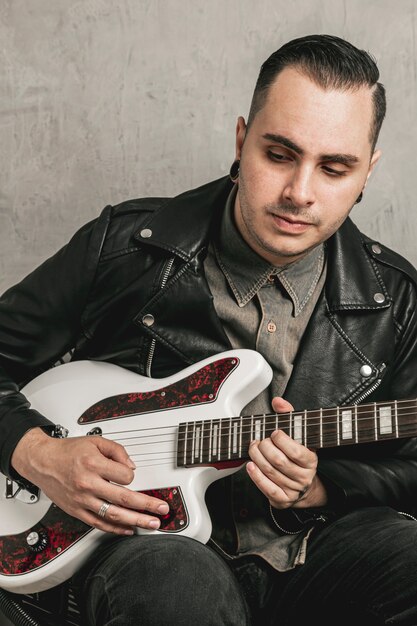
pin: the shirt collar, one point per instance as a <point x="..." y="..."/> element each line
<point x="246" y="272"/>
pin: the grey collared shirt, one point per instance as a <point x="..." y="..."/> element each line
<point x="265" y="308"/>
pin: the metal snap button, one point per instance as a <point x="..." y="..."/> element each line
<point x="379" y="297"/>
<point x="376" y="248"/>
<point x="365" y="371"/>
<point x="146" y="233"/>
<point x="148" y="319"/>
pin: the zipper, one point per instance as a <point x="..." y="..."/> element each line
<point x="407" y="515"/>
<point x="368" y="392"/>
<point x="165" y="275"/>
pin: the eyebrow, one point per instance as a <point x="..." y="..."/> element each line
<point x="346" y="159"/>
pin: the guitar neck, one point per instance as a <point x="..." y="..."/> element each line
<point x="227" y="440"/>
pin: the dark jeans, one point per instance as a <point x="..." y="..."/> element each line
<point x="361" y="569"/>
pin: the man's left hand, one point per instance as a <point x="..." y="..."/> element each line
<point x="284" y="470"/>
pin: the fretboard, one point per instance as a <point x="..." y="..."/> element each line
<point x="227" y="439"/>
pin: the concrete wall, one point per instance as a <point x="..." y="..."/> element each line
<point x="104" y="100"/>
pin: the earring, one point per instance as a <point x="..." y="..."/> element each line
<point x="359" y="198"/>
<point x="234" y="171"/>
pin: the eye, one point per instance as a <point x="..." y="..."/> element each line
<point x="274" y="156"/>
<point x="332" y="172"/>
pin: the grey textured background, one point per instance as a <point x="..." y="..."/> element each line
<point x="104" y="100"/>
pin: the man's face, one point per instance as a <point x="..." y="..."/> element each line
<point x="303" y="162"/>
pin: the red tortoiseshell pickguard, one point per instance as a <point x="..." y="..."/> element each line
<point x="177" y="518"/>
<point x="61" y="531"/>
<point x="198" y="388"/>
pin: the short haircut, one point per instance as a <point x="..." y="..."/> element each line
<point x="329" y="61"/>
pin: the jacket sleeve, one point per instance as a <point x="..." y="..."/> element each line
<point x="40" y="320"/>
<point x="383" y="473"/>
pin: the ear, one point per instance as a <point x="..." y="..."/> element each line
<point x="374" y="160"/>
<point x="240" y="136"/>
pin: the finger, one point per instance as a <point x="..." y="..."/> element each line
<point x="276" y="467"/>
<point x="271" y="490"/>
<point x="117" y="517"/>
<point x="115" y="451"/>
<point x="133" y="500"/>
<point x="294" y="451"/>
<point x="280" y="405"/>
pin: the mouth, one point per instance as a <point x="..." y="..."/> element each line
<point x="290" y="224"/>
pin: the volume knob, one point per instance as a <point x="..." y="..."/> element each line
<point x="37" y="541"/>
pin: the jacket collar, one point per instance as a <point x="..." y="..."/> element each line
<point x="183" y="225"/>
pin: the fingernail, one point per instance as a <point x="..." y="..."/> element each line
<point x="155" y="523"/>
<point x="128" y="532"/>
<point x="131" y="464"/>
<point x="163" y="508"/>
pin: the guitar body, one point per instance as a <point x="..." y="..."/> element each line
<point x="40" y="545"/>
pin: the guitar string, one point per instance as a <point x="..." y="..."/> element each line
<point x="283" y="422"/>
<point x="360" y="410"/>
<point x="139" y="455"/>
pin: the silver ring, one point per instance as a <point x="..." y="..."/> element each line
<point x="103" y="509"/>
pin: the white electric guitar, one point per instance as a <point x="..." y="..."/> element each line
<point x="183" y="432"/>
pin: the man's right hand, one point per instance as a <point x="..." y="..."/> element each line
<point x="79" y="474"/>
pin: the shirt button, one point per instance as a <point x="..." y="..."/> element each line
<point x="271" y="326"/>
<point x="271" y="278"/>
<point x="243" y="512"/>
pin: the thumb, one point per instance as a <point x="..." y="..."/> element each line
<point x="281" y="406"/>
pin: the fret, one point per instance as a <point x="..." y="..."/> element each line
<point x="356" y="424"/>
<point x="245" y="434"/>
<point x="338" y="427"/>
<point x="206" y="435"/>
<point x="290" y="424"/>
<point x="348" y="425"/>
<point x="229" y="443"/>
<point x="182" y="444"/>
<point x="329" y="427"/>
<point x="396" y="419"/>
<point x="269" y="425"/>
<point x="385" y="415"/>
<point x="305" y="429"/>
<point x="276" y="421"/>
<point x="240" y="436"/>
<point x="215" y="440"/>
<point x="235" y="452"/>
<point x="263" y="423"/>
<point x="198" y="441"/>
<point x="258" y="428"/>
<point x="366" y="422"/>
<point x="321" y="428"/>
<point x="191" y="453"/>
<point x="313" y="426"/>
<point x="407" y="418"/>
<point x="297" y="434"/>
<point x="375" y="422"/>
<point x="224" y="439"/>
<point x="210" y="456"/>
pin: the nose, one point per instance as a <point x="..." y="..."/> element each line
<point x="299" y="188"/>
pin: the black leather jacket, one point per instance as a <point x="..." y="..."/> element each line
<point x="145" y="257"/>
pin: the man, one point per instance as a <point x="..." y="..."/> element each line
<point x="268" y="260"/>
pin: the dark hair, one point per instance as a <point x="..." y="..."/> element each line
<point x="329" y="61"/>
